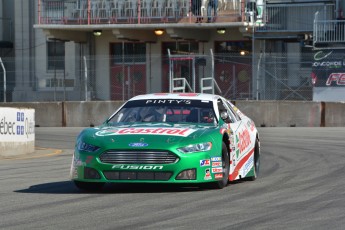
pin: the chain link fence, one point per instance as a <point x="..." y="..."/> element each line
<point x="284" y="76"/>
<point x="263" y="76"/>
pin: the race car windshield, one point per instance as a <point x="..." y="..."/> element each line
<point x="173" y="111"/>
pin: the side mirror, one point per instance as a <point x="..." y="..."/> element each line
<point x="224" y="115"/>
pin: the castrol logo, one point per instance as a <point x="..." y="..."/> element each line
<point x="183" y="132"/>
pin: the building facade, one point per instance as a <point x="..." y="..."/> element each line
<point x="112" y="50"/>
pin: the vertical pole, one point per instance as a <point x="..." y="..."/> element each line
<point x="253" y="62"/>
<point x="150" y="66"/>
<point x="123" y="70"/>
<point x="39" y="11"/>
<point x="85" y="79"/>
<point x="234" y="81"/>
<point x="64" y="79"/>
<point x="129" y="80"/>
<point x="257" y="76"/>
<point x="212" y="70"/>
<point x="139" y="11"/>
<point x="170" y="73"/>
<point x="88" y="12"/>
<point x="55" y="80"/>
<point x="194" y="79"/>
<point x="190" y="12"/>
<point x="3" y="67"/>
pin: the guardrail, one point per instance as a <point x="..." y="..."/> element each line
<point x="86" y="12"/>
<point x="328" y="33"/>
<point x="294" y="17"/>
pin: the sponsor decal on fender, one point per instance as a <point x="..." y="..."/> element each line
<point x="205" y="163"/>
<point x="239" y="165"/>
<point x="248" y="165"/>
<point x="207" y="175"/>
<point x="217" y="170"/>
<point x="183" y="132"/>
<point x="217" y="164"/>
<point x="218" y="176"/>
<point x="244" y="140"/>
<point x="216" y="159"/>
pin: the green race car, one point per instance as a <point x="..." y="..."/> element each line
<point x="184" y="138"/>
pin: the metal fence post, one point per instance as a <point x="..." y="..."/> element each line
<point x="85" y="79"/>
<point x="3" y="67"/>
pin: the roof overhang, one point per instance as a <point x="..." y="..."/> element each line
<point x="187" y="31"/>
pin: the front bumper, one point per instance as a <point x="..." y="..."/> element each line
<point x="189" y="168"/>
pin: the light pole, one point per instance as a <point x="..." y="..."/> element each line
<point x="3" y="68"/>
<point x="253" y="61"/>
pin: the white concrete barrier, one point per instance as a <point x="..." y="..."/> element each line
<point x="17" y="131"/>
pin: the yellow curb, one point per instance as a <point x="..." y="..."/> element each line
<point x="52" y="152"/>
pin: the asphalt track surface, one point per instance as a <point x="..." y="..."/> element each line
<point x="301" y="186"/>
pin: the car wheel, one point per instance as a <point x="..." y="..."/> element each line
<point x="226" y="167"/>
<point x="89" y="186"/>
<point x="256" y="161"/>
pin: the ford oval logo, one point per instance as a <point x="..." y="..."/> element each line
<point x="138" y="144"/>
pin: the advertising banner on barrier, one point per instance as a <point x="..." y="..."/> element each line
<point x="17" y="124"/>
<point x="328" y="75"/>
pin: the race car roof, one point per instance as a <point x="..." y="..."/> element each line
<point x="191" y="96"/>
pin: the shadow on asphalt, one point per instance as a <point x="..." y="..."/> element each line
<point x="68" y="187"/>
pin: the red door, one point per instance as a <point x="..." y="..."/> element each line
<point x="127" y="81"/>
<point x="234" y="79"/>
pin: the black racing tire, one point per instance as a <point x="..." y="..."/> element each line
<point x="256" y="161"/>
<point x="89" y="186"/>
<point x="226" y="167"/>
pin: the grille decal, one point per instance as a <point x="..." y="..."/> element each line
<point x="138" y="157"/>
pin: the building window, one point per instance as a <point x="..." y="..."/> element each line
<point x="56" y="55"/>
<point x="128" y="53"/>
<point x="234" y="47"/>
<point x="179" y="48"/>
<point x="306" y="56"/>
<point x="182" y="47"/>
<point x="233" y="51"/>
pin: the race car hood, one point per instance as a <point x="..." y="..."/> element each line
<point x="146" y="136"/>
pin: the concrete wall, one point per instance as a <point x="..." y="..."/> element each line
<point x="264" y="113"/>
<point x="335" y="114"/>
<point x="47" y="114"/>
<point x="282" y="113"/>
<point x="82" y="114"/>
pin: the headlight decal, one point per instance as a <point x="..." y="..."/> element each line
<point x="83" y="146"/>
<point x="200" y="147"/>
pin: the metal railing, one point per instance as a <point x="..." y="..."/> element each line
<point x="294" y="17"/>
<point x="328" y="34"/>
<point x="87" y="12"/>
